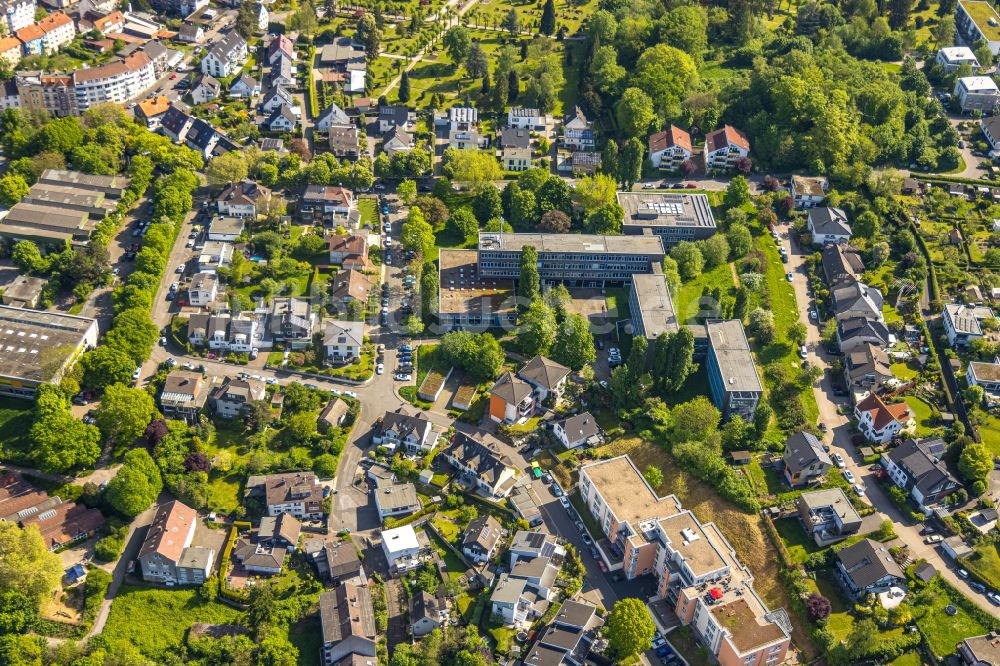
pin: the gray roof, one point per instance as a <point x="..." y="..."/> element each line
<point x="508" y="590"/>
<point x="920" y="459"/>
<point x="858" y="296"/>
<point x="656" y="308"/>
<point x="834" y="499"/>
<point x="580" y="426"/>
<point x="841" y="263"/>
<point x="829" y="221"/>
<point x="728" y="342"/>
<point x="862" y="327"/>
<point x="195" y="557"/>
<point x="514" y="137"/>
<point x="575" y="614"/>
<point x="34" y="346"/>
<point x="539" y="567"/>
<point x="966" y="318"/>
<point x="572" y="243"/>
<point x="343" y="333"/>
<point x="397" y="496"/>
<point x="334" y="114"/>
<point x="802" y="450"/>
<point x="544" y="372"/>
<point x="342" y="559"/>
<point x="345" y="612"/>
<point x="511" y="389"/>
<point x="424" y="605"/>
<point x="658" y="209"/>
<point x="404" y="424"/>
<point x="483" y="532"/>
<point x="868" y="561"/>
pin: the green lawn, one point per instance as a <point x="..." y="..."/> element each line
<point x="799" y="544"/>
<point x="454" y="565"/>
<point x="686" y="304"/>
<point x="904" y="371"/>
<point x="942" y="631"/>
<point x="369" y="213"/>
<point x="907" y="659"/>
<point x="223" y="491"/>
<point x="16" y="417"/>
<point x="924" y="414"/>
<point x="990" y="434"/>
<point x="446" y="528"/>
<point x="154" y="621"/>
<point x="985" y="562"/>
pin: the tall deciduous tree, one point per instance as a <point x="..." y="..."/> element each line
<point x="26" y="565"/>
<point x="136" y="485"/>
<point x="457" y="44"/>
<point x="529" y="282"/>
<point x="574" y="344"/>
<point x="629" y="629"/>
<point x="630" y="163"/>
<point x="537" y="330"/>
<point x="635" y="112"/>
<point x="124" y="413"/>
<point x="476" y="63"/>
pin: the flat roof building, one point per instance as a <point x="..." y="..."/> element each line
<point x="467" y="300"/>
<point x="113" y="186"/>
<point x="46" y="225"/>
<point x="732" y="375"/>
<point x="577" y="260"/>
<point x="651" y="307"/>
<point x="673" y="217"/>
<point x="37" y="347"/>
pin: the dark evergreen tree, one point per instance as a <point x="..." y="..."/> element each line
<point x="548" y="22"/>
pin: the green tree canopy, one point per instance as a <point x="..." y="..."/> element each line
<point x="629" y="629"/>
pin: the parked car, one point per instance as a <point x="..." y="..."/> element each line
<point x="859" y="489"/>
<point x="849" y="476"/>
<point x="404" y="377"/>
<point x="962" y="573"/>
<point x="137" y="374"/>
<point x="978" y="587"/>
<point x="564" y="502"/>
<point x="790" y="276"/>
<point x="934" y="538"/>
<point x="838" y="460"/>
<point x="994" y="598"/>
<point x="379" y="369"/>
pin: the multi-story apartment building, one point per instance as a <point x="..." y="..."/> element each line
<point x="226" y="56"/>
<point x="116" y="82"/>
<point x="953" y="57"/>
<point x="672" y="217"/>
<point x="167" y="555"/>
<point x="184" y="395"/>
<point x="696" y="569"/>
<point x="670" y="148"/>
<point x="299" y="495"/>
<point x="977" y="20"/>
<point x="58" y="29"/>
<point x="724" y="147"/>
<point x="54" y="93"/>
<point x="977" y="93"/>
<point x="10" y="53"/>
<point x="235" y="395"/>
<point x="18" y="14"/>
<point x="573" y="259"/>
<point x="348" y="625"/>
<point x="732" y="375"/>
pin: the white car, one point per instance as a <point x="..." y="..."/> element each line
<point x="137" y="374"/>
<point x="190" y="243"/>
<point x="790" y="276"/>
<point x="838" y="460"/>
<point x="849" y="476"/>
<point x="351" y="394"/>
<point x="403" y="377"/>
<point x="564" y="502"/>
<point x="171" y="362"/>
<point x="180" y="269"/>
<point x="648" y="186"/>
<point x="379" y="369"/>
<point x="388" y="242"/>
<point x="859" y="489"/>
<point x="335" y="391"/>
<point x="271" y="381"/>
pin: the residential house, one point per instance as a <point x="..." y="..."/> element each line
<point x="577" y="131"/>
<point x="396" y="499"/>
<point x="866" y="368"/>
<point x="333" y="414"/>
<point x="259" y="557"/>
<point x="953" y="57"/>
<point x="299" y="494"/>
<point x="345" y="60"/>
<point x="59" y="30"/>
<point x="804" y="459"/>
<point x="880" y="422"/>
<point x="167" y="556"/>
<point x="977" y="93"/>
<point x="282" y="119"/>
<point x="244" y="86"/>
<point x="225" y="229"/>
<point x="280" y="47"/>
<point x="526" y="119"/>
<point x="415" y="434"/>
<point x="515" y="146"/>
<point x="546" y="377"/>
<point x="150" y="111"/>
<point x="868" y="567"/>
<point x="343" y="141"/>
<point x="481" y="464"/>
<point x="241" y="200"/>
<point x="226" y="57"/>
<point x="275" y="97"/>
<point x="184" y="395"/>
<point x="915" y="466"/>
<point x="511" y="399"/>
<point x="528" y="545"/>
<point x="670" y="148"/>
<point x="283" y="72"/>
<point x="809" y="192"/>
<point x="390" y="117"/>
<point x="61" y="523"/>
<point x="234" y="395"/>
<point x="205" y="89"/>
<point x="332" y="115"/>
<point x="203" y="289"/>
<point x="482" y="538"/>
<point x="292" y="321"/>
<point x="841" y="263"/>
<point x="466" y="139"/>
<point x="342" y="340"/>
<point x="328" y="205"/>
<point x="191" y="33"/>
<point x="980" y="650"/>
<point x="427" y="613"/>
<point x="540" y="573"/>
<point x="31" y="38"/>
<point x="461" y="119"/>
<point x="856" y="299"/>
<point x="282" y="531"/>
<point x="338" y="561"/>
<point x="10" y="51"/>
<point x="964" y="323"/>
<point x="585" y="164"/>
<point x="725" y="147"/>
<point x="401" y="548"/>
<point x="397" y="140"/>
<point x="567" y="641"/>
<point x="577" y="430"/>
<point x="828" y="225"/>
<point x="732" y="374"/>
<point x="828" y="515"/>
<point x="984" y="375"/>
<point x="516" y="602"/>
<point x="990" y="127"/>
<point x="350" y="251"/>
<point x="347" y="623"/>
<point x="349" y="285"/>
<point x="163" y="59"/>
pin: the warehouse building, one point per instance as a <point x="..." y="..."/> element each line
<point x="38" y="347"/>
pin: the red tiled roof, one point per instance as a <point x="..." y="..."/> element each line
<point x="167" y="533"/>
<point x="53" y="21"/>
<point x="727" y="136"/>
<point x="675" y="136"/>
<point x="882" y="414"/>
<point x="30" y="33"/>
<point x="105" y="22"/>
<point x="8" y="43"/>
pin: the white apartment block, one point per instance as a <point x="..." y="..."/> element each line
<point x="116" y="82"/>
<point x="18" y="14"/>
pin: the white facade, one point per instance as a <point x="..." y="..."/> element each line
<point x="401" y="547"/>
<point x="18" y="14"/>
<point x="977" y="93"/>
<point x="523" y="118"/>
<point x="953" y="57"/>
<point x="115" y="82"/>
<point x="226" y="57"/>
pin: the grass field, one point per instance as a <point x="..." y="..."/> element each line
<point x="369" y="213"/>
<point x="985" y="562"/>
<point x="943" y="632"/>
<point x="924" y="414"/>
<point x="153" y="621"/>
<point x="799" y="544"/>
<point x="16" y="417"/>
<point x="904" y="371"/>
<point x="907" y="659"/>
<point x="990" y="434"/>
<point x="686" y="303"/>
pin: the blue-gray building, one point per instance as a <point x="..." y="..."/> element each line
<point x="732" y="375"/>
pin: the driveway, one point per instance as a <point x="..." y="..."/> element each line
<point x="839" y="438"/>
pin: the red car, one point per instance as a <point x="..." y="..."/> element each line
<point x="691" y="186"/>
<point x="173" y="76"/>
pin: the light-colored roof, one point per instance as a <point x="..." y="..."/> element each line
<point x="400" y="539"/>
<point x="728" y="343"/>
<point x="626" y="491"/>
